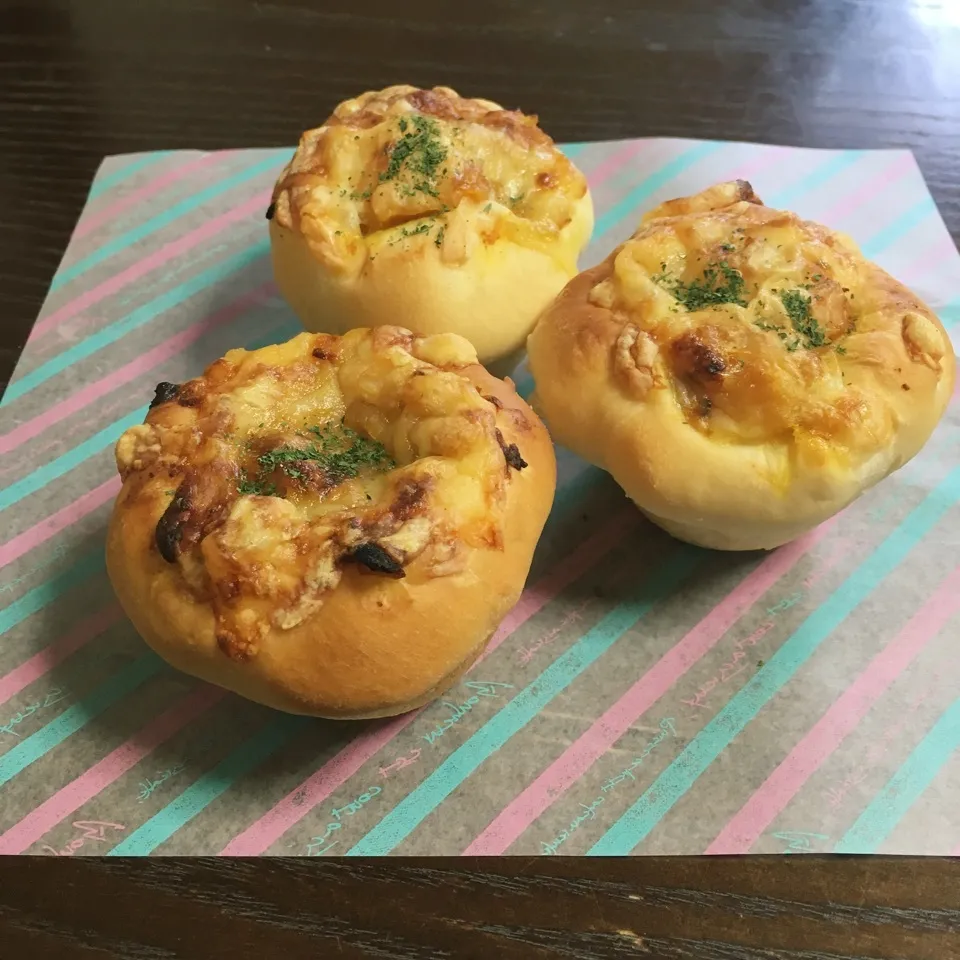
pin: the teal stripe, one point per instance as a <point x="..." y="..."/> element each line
<point x="572" y="150"/>
<point x="707" y="745"/>
<point x="905" y="787"/>
<point x="142" y="315"/>
<point x="525" y="385"/>
<point x="199" y="795"/>
<point x="573" y="489"/>
<point x="160" y="221"/>
<point x="815" y="178"/>
<point x="67" y="461"/>
<point x="77" y="716"/>
<point x="103" y="184"/>
<point x="651" y="184"/>
<point x="103" y="438"/>
<point x="949" y="313"/>
<point x="178" y="812"/>
<point x="902" y="225"/>
<point x="410" y="812"/>
<point x="36" y="599"/>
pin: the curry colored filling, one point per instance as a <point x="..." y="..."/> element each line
<point x="280" y="467"/>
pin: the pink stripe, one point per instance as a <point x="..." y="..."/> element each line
<point x="747" y="825"/>
<point x="929" y="258"/>
<point x="757" y="164"/>
<point x="136" y="270"/>
<point x="276" y="821"/>
<point x="869" y="190"/>
<point x="617" y="160"/>
<point x="594" y="742"/>
<point x="52" y="525"/>
<point x="16" y="465"/>
<point x="90" y="223"/>
<point x="76" y="793"/>
<point x="45" y="660"/>
<point x="130" y="371"/>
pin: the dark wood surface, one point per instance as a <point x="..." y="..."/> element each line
<point x="87" y="78"/>
<point x="746" y="908"/>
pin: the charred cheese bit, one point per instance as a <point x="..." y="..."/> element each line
<point x="426" y="168"/>
<point x="297" y="459"/>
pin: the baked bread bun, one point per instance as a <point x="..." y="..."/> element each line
<point x="742" y="373"/>
<point x="430" y="211"/>
<point x="331" y="526"/>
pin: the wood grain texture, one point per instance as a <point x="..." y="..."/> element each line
<point x="813" y="908"/>
<point x="80" y="79"/>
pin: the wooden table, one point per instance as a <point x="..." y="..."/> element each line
<point x="91" y="77"/>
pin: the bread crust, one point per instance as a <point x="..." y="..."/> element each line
<point x="437" y="212"/>
<point x="742" y="373"/>
<point x="363" y="598"/>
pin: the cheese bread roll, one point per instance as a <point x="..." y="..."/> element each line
<point x="742" y="373"/>
<point x="332" y="526"/>
<point x="427" y="210"/>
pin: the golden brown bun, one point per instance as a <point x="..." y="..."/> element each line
<point x="367" y="561"/>
<point x="429" y="211"/>
<point x="742" y="373"/>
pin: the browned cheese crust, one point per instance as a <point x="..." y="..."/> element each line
<point x="743" y="373"/>
<point x="331" y="526"/>
<point x="434" y="211"/>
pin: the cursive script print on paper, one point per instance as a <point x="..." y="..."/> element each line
<point x="53" y="696"/>
<point x="90" y="830"/>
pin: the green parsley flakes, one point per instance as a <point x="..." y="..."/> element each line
<point x="340" y="452"/>
<point x="806" y="331"/>
<point x="414" y="231"/>
<point x="790" y="342"/>
<point x="719" y="284"/>
<point x="248" y="487"/>
<point x="417" y="155"/>
<point x="422" y="228"/>
<point x="797" y="305"/>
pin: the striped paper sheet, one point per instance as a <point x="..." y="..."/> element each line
<point x="643" y="697"/>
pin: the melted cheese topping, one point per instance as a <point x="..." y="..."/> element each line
<point x="430" y="480"/>
<point x="766" y="329"/>
<point x="426" y="167"/>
